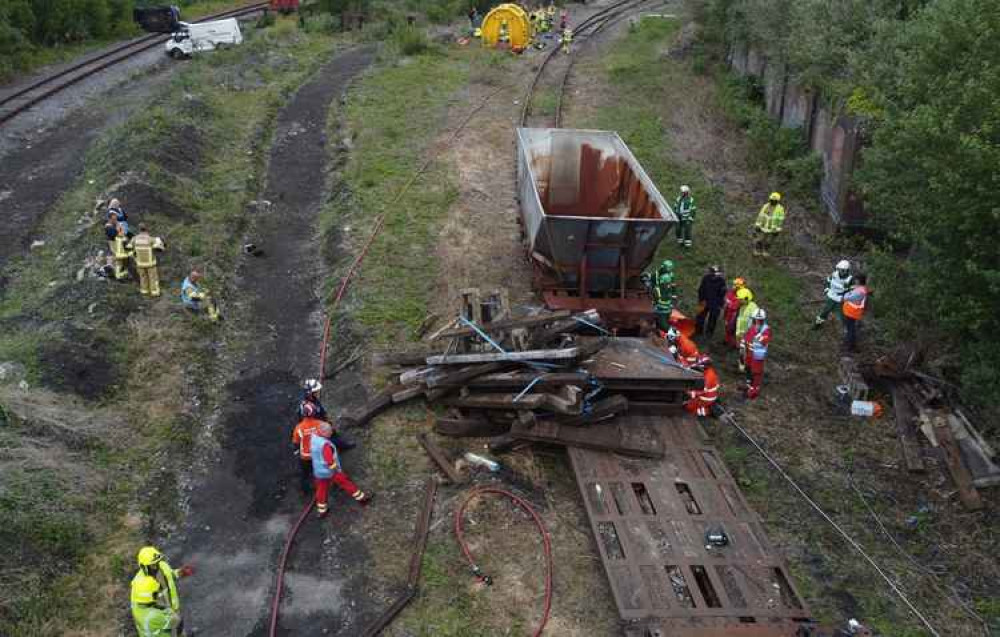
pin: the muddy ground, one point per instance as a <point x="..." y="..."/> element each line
<point x="248" y="495"/>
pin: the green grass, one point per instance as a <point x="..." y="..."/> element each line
<point x="393" y="117"/>
<point x="636" y="67"/>
<point x="202" y="145"/>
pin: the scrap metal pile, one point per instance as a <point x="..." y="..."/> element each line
<point x="551" y="377"/>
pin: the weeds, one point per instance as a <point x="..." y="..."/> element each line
<point x="187" y="166"/>
<point x="393" y="116"/>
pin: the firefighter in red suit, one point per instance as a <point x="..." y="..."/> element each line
<point x="327" y="470"/>
<point x="731" y="308"/>
<point x="756" y="341"/>
<point x="682" y="348"/>
<point x="701" y="401"/>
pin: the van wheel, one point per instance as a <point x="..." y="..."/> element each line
<point x="176" y="54"/>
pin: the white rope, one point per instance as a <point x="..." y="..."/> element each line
<point x="728" y="417"/>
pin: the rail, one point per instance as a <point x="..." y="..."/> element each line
<point x="49" y="86"/>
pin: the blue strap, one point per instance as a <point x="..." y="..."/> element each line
<point x="579" y="319"/>
<point x="482" y="334"/>
<point x="524" y="391"/>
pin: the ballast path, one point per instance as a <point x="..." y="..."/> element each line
<point x="249" y="498"/>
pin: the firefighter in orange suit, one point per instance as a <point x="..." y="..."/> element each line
<point x="682" y="347"/>
<point x="756" y="341"/>
<point x="702" y="401"/>
<point x="302" y="439"/>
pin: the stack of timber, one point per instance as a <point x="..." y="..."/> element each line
<point x="925" y="407"/>
<point x="549" y="378"/>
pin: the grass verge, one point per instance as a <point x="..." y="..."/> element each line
<point x="391" y="121"/>
<point x="187" y="166"/>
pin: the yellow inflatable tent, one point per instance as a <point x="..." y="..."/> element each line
<point x="518" y="26"/>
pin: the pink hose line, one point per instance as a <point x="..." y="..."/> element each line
<point x="546" y="543"/>
<point x="327" y="333"/>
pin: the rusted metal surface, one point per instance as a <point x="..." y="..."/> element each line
<point x="631" y="435"/>
<point x="592" y="216"/>
<point x="651" y="520"/>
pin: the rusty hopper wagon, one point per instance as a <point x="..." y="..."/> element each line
<point x="592" y="220"/>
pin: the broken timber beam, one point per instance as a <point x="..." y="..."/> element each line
<point x="953" y="457"/>
<point x="405" y="359"/>
<point x="569" y="353"/>
<point x="470" y="427"/>
<point x="507" y="324"/>
<point x="518" y="381"/>
<point x="439" y="457"/>
<point x="541" y="337"/>
<point x="905" y="431"/>
<point x="617" y="436"/>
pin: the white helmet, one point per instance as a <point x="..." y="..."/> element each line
<point x="685" y="189"/>
<point x="844" y="264"/>
<point x="312" y="385"/>
<point x="672" y="334"/>
<point x="760" y="315"/>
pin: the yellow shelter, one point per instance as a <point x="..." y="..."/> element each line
<point x="518" y="26"/>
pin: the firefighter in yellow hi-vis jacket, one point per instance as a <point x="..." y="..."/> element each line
<point x="117" y="245"/>
<point x="143" y="246"/>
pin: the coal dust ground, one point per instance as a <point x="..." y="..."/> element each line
<point x="249" y="497"/>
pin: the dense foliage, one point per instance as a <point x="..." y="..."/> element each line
<point x="924" y="77"/>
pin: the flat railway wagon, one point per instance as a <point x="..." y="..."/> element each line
<point x="592" y="220"/>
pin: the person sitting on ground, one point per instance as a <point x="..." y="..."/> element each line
<point x="196" y="298"/>
<point x="115" y="209"/>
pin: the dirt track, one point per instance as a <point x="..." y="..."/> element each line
<point x="248" y="498"/>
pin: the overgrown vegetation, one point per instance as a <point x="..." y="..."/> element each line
<point x="392" y="118"/>
<point x="36" y="32"/>
<point x="187" y="166"/>
<point x="917" y="74"/>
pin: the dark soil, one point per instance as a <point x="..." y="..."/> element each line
<point x="78" y="361"/>
<point x="144" y="203"/>
<point x="249" y="498"/>
<point x="181" y="152"/>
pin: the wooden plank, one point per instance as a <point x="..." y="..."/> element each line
<point x="440" y="458"/>
<point x="519" y="380"/>
<point x="602" y="409"/>
<point x="388" y="359"/>
<point x="953" y="457"/>
<point x="497" y="326"/>
<point x="470" y="427"/>
<point x="458" y="378"/>
<point x="564" y="354"/>
<point x="983" y="443"/>
<point x="637" y="440"/>
<point x="531" y="401"/>
<point x="909" y="445"/>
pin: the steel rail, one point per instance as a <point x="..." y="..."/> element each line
<point x="592" y="21"/>
<point x="102" y="61"/>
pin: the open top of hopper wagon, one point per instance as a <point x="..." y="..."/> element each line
<point x="593" y="220"/>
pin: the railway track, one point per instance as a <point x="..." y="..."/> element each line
<point x="39" y="91"/>
<point x="552" y="73"/>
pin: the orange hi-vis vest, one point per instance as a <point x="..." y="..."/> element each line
<point x="687" y="351"/>
<point x="855" y="301"/>
<point x="701" y="401"/>
<point x="303" y="434"/>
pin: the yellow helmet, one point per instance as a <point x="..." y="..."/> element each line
<point x="478" y="33"/>
<point x="739" y="282"/>
<point x="744" y="294"/>
<point x="775" y="196"/>
<point x="148" y="555"/>
<point x="144" y="589"/>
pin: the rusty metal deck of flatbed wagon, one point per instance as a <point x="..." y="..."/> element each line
<point x="651" y="520"/>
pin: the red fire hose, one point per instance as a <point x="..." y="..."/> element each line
<point x="546" y="543"/>
<point x="341" y="289"/>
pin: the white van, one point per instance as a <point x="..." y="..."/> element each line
<point x="203" y="36"/>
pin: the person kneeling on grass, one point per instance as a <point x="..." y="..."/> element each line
<point x="327" y="469"/>
<point x="196" y="298"/>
